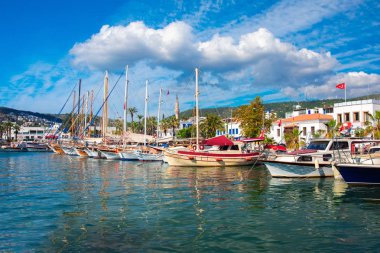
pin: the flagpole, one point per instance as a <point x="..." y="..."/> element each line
<point x="345" y="93"/>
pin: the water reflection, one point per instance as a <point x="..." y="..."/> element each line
<point x="60" y="203"/>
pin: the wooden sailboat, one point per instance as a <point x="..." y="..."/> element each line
<point x="199" y="158"/>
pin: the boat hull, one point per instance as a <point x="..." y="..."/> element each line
<point x="69" y="151"/>
<point x="110" y="155"/>
<point x="150" y="157"/>
<point x="360" y="174"/>
<point x="128" y="155"/>
<point x="208" y="160"/>
<point x="281" y="170"/>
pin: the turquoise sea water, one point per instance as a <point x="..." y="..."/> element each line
<point x="52" y="203"/>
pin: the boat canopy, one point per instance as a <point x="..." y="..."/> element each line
<point x="252" y="139"/>
<point x="218" y="141"/>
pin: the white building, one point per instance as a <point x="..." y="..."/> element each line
<point x="309" y="124"/>
<point x="231" y="128"/>
<point x="355" y="112"/>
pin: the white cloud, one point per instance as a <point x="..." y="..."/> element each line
<point x="270" y="60"/>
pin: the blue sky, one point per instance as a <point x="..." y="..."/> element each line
<point x="280" y="50"/>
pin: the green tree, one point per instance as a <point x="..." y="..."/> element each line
<point x="119" y="126"/>
<point x="375" y="118"/>
<point x="331" y="128"/>
<point x="151" y="125"/>
<point x="140" y="125"/>
<point x="187" y="132"/>
<point x="251" y="118"/>
<point x="292" y="139"/>
<point x="209" y="126"/>
<point x="16" y="129"/>
<point x="2" y="129"/>
<point x="173" y="123"/>
<point x="132" y="111"/>
<point x="165" y="125"/>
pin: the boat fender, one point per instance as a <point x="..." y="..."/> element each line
<point x="316" y="164"/>
<point x="201" y="147"/>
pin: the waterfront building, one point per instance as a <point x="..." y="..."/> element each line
<point x="355" y="112"/>
<point x="310" y="125"/>
<point x="231" y="128"/>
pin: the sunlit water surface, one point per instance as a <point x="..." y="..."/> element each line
<point x="55" y="203"/>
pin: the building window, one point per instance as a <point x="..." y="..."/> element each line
<point x="217" y="132"/>
<point x="346" y="117"/>
<point x="278" y="132"/>
<point x="304" y="131"/>
<point x="229" y="131"/>
<point x="237" y="130"/>
<point x="339" y="118"/>
<point x="365" y="116"/>
<point x="312" y="130"/>
<point x="356" y="116"/>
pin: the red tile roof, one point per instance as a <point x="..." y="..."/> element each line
<point x="308" y="117"/>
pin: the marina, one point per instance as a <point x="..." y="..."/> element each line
<point x="63" y="203"/>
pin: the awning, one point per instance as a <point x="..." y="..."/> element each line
<point x="252" y="139"/>
<point x="218" y="141"/>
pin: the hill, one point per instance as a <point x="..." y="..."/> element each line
<point x="279" y="107"/>
<point x="6" y="112"/>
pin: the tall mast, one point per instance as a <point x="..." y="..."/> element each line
<point x="86" y="111"/>
<point x="196" y="107"/>
<point x="72" y="116"/>
<point x="79" y="98"/>
<point x="91" y="113"/>
<point x="125" y="106"/>
<point x="158" y="115"/>
<point x="146" y="110"/>
<point x="105" y="107"/>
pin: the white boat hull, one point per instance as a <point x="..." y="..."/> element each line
<point x="297" y="171"/>
<point x="69" y="151"/>
<point x="110" y="155"/>
<point x="128" y="155"/>
<point x="150" y="157"/>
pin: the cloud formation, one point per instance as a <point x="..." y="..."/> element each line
<point x="270" y="60"/>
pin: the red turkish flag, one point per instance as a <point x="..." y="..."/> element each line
<point x="341" y="86"/>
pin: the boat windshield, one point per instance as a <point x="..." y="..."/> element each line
<point x="374" y="150"/>
<point x="318" y="145"/>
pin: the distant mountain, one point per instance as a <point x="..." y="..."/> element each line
<point x="279" y="107"/>
<point x="6" y="112"/>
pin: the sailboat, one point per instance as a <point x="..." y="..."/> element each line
<point x="147" y="153"/>
<point x="127" y="153"/>
<point x="111" y="153"/>
<point x="227" y="153"/>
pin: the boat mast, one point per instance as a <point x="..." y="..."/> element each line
<point x="86" y="110"/>
<point x="91" y="113"/>
<point x="125" y="106"/>
<point x="196" y="107"/>
<point x="105" y="108"/>
<point x="146" y="110"/>
<point x="158" y="116"/>
<point x="72" y="115"/>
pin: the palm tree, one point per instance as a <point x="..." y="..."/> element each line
<point x="132" y="111"/>
<point x="210" y="125"/>
<point x="331" y="128"/>
<point x="16" y="129"/>
<point x="164" y="125"/>
<point x="375" y="118"/>
<point x="140" y="117"/>
<point x="2" y="130"/>
<point x="292" y="139"/>
<point x="8" y="129"/>
<point x="119" y="126"/>
<point x="173" y="123"/>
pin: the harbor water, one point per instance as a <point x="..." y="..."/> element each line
<point x="54" y="203"/>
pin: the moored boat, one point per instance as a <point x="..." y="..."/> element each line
<point x="359" y="174"/>
<point x="282" y="170"/>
